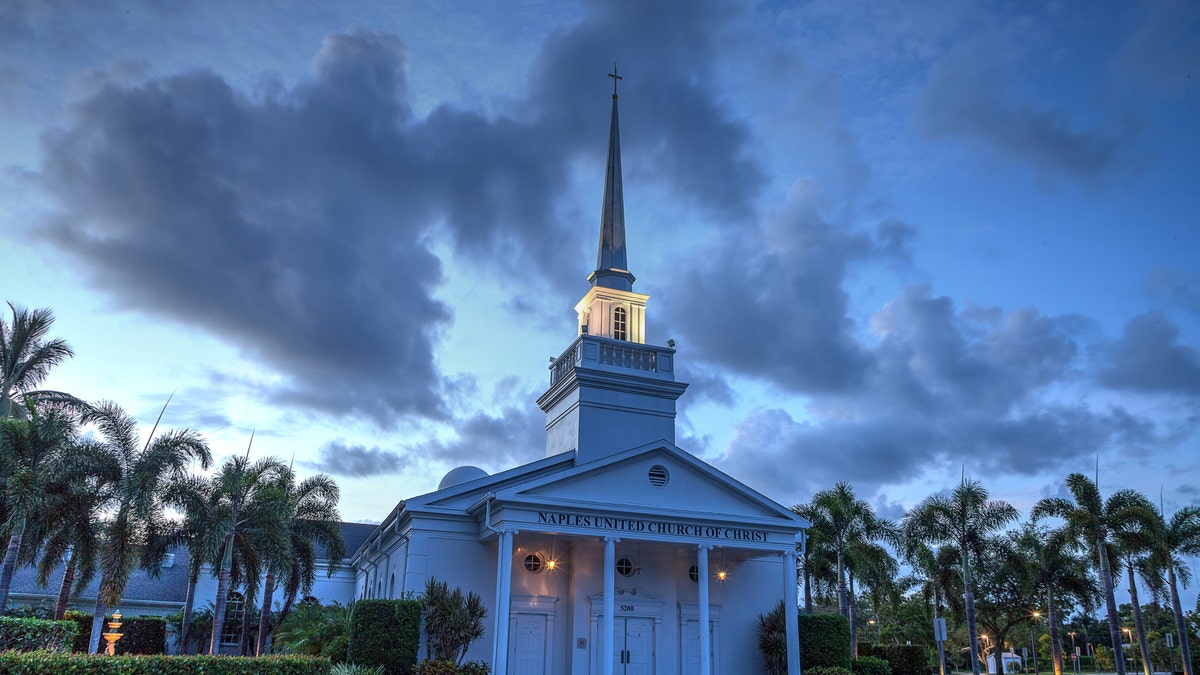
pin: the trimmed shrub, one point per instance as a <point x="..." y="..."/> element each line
<point x="386" y="633"/>
<point x="27" y="635"/>
<point x="827" y="670"/>
<point x="351" y="669"/>
<point x="903" y="659"/>
<point x="84" y="634"/>
<point x="142" y="635"/>
<point x="474" y="668"/>
<point x="436" y="667"/>
<point x="870" y="665"/>
<point x="825" y="642"/>
<point x="38" y="663"/>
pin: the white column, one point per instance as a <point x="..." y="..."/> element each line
<point x="791" y="622"/>
<point x="504" y="555"/>
<point x="610" y="582"/>
<point x="705" y="636"/>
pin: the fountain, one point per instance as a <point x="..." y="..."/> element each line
<point x="113" y="634"/>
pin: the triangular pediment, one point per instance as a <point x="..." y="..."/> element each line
<point x="656" y="478"/>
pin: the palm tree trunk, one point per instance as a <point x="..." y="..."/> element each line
<point x="10" y="562"/>
<point x="98" y="612"/>
<point x="244" y="641"/>
<point x="852" y="610"/>
<point x="969" y="600"/>
<point x="1139" y="625"/>
<point x="264" y="616"/>
<point x="1185" y="650"/>
<point x="843" y="607"/>
<point x="189" y="600"/>
<point x="214" y="646"/>
<point x="1055" y="638"/>
<point x="64" y="591"/>
<point x="1114" y="628"/>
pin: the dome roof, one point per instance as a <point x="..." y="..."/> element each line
<point x="461" y="474"/>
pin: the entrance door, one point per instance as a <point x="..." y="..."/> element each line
<point x="633" y="645"/>
<point x="529" y="645"/>
<point x="691" y="647"/>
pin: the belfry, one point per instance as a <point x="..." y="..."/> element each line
<point x="618" y="552"/>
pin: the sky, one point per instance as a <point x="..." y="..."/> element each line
<point x="894" y="242"/>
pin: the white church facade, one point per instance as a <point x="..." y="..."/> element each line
<point x="618" y="552"/>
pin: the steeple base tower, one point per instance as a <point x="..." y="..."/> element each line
<point x="607" y="396"/>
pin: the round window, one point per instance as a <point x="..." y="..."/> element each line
<point x="658" y="475"/>
<point x="534" y="563"/>
<point x="626" y="567"/>
<point x="694" y="574"/>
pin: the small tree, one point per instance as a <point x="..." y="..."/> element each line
<point x="452" y="620"/>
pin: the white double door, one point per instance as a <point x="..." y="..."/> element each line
<point x="633" y="645"/>
<point x="528" y="650"/>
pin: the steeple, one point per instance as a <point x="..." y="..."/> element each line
<point x="611" y="264"/>
<point x="610" y="391"/>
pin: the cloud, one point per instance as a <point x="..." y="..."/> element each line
<point x="967" y="104"/>
<point x="1149" y="357"/>
<point x="1177" y="288"/>
<point x="1163" y="54"/>
<point x="358" y="461"/>
<point x="944" y="386"/>
<point x="299" y="223"/>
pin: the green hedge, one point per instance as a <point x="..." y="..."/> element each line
<point x="26" y="635"/>
<point x="84" y="635"/>
<point x="825" y="641"/>
<point x="386" y="633"/>
<point x="870" y="665"/>
<point x="40" y="663"/>
<point x="143" y="635"/>
<point x="904" y="659"/>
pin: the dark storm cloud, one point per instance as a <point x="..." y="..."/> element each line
<point x="513" y="435"/>
<point x="1178" y="289"/>
<point x="944" y="386"/>
<point x="1149" y="357"/>
<point x="297" y="223"/>
<point x="357" y="461"/>
<point x="967" y="103"/>
<point x="782" y="315"/>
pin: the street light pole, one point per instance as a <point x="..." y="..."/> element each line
<point x="1033" y="642"/>
<point x="1074" y="652"/>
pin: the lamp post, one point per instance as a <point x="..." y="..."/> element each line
<point x="870" y="626"/>
<point x="1129" y="636"/>
<point x="1074" y="652"/>
<point x="1033" y="641"/>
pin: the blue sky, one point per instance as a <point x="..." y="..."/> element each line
<point x="891" y="239"/>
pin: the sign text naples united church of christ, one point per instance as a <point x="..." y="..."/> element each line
<point x="651" y="526"/>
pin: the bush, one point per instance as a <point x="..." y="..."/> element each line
<point x="26" y="635"/>
<point x="351" y="669"/>
<point x="141" y="635"/>
<point x="771" y="631"/>
<point x="448" y="667"/>
<point x="903" y="659"/>
<point x="827" y="670"/>
<point x="38" y="663"/>
<point x="453" y="620"/>
<point x="825" y="641"/>
<point x="84" y="634"/>
<point x="386" y="633"/>
<point x="871" y="665"/>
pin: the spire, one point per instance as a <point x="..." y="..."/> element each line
<point x="611" y="265"/>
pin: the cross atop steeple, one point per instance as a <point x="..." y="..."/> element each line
<point x="615" y="77"/>
<point x="611" y="266"/>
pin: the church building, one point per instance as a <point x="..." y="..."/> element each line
<point x="619" y="551"/>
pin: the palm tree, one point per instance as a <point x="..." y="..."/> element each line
<point x="70" y="527"/>
<point x="963" y="520"/>
<point x="26" y="357"/>
<point x="193" y="496"/>
<point x="840" y="519"/>
<point x="133" y="536"/>
<point x="1172" y="542"/>
<point x="1057" y="572"/>
<point x="313" y="519"/>
<point x="1134" y="545"/>
<point x="1091" y="521"/>
<point x="30" y="449"/>
<point x="250" y="515"/>
<point x="875" y="568"/>
<point x="814" y="565"/>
